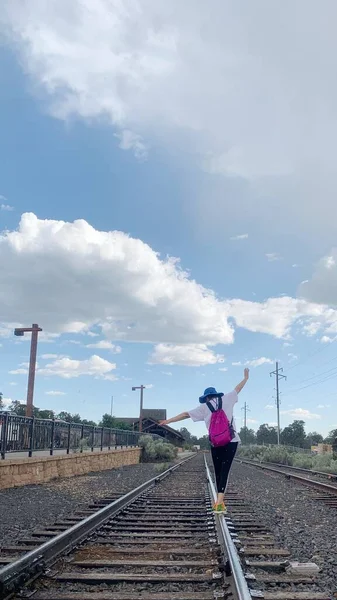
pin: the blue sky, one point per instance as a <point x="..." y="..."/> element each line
<point x="226" y="166"/>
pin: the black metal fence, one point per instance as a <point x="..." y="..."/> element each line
<point x="28" y="435"/>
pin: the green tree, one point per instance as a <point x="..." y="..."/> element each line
<point x="247" y="435"/>
<point x="89" y="423"/>
<point x="188" y="437"/>
<point x="330" y="438"/>
<point x="45" y="414"/>
<point x="313" y="438"/>
<point x="266" y="434"/>
<point x="294" y="434"/>
<point x="113" y="423"/>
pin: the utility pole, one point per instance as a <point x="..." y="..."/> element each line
<point x="278" y="376"/>
<point x="245" y="409"/>
<point x="141" y="388"/>
<point x="34" y="330"/>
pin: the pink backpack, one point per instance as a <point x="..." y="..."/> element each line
<point x="221" y="431"/>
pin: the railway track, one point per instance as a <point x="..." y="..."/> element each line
<point x="160" y="541"/>
<point x="320" y="491"/>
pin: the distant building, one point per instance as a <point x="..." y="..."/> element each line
<point x="150" y="424"/>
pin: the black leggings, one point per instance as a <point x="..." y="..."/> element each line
<point x="222" y="461"/>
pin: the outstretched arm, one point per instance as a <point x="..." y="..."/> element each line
<point x="243" y="382"/>
<point x="181" y="417"/>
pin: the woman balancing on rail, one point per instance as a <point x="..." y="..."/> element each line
<point x="216" y="409"/>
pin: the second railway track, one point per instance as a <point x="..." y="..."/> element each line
<point x="161" y="542"/>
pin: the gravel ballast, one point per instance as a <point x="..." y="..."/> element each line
<point x="23" y="509"/>
<point x="306" y="527"/>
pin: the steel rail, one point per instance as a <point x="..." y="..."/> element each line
<point x="32" y="564"/>
<point x="241" y="587"/>
<point x="304" y="480"/>
<point x="332" y="476"/>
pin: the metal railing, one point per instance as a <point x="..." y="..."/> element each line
<point x="29" y="435"/>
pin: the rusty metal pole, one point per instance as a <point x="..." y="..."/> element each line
<point x="34" y="330"/>
<point x="142" y="387"/>
<point x="32" y="368"/>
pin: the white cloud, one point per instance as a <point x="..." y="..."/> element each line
<point x="190" y="355"/>
<point x="128" y="62"/>
<point x="106" y="345"/>
<point x="270" y="406"/>
<point x="242" y="236"/>
<point x="128" y="140"/>
<point x="252" y="421"/>
<point x="300" y="413"/>
<point x="273" y="257"/>
<point x="68" y="368"/>
<point x="322" y="286"/>
<point x="12" y="383"/>
<point x="168" y="373"/>
<point x="7" y="402"/>
<point x="55" y="393"/>
<point x="49" y="356"/>
<point x="325" y="339"/>
<point x="255" y="362"/>
<point x="323" y="406"/>
<point x="151" y="299"/>
<point x="292" y="357"/>
<point x="6" y="207"/>
<point x="224" y="369"/>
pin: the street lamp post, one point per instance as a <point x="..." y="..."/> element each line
<point x="141" y="388"/>
<point x="34" y="330"/>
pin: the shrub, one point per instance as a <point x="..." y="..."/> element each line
<point x="277" y="455"/>
<point x="153" y="450"/>
<point x="303" y="461"/>
<point x="325" y="463"/>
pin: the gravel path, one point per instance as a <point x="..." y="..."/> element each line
<point x="306" y="527"/>
<point x="25" y="508"/>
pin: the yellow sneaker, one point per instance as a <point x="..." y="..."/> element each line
<point x="219" y="509"/>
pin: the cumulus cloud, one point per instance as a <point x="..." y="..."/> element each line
<point x="128" y="61"/>
<point x="270" y="406"/>
<point x="69" y="368"/>
<point x="109" y="281"/>
<point x="55" y="393"/>
<point x="255" y="362"/>
<point x="86" y="277"/>
<point x="300" y="413"/>
<point x="189" y="355"/>
<point x="322" y="287"/>
<point x="106" y="345"/>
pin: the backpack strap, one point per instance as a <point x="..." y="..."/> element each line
<point x="211" y="407"/>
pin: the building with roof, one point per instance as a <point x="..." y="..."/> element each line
<point x="150" y="424"/>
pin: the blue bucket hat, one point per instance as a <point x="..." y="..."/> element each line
<point x="211" y="391"/>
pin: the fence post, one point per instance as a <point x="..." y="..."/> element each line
<point x="31" y="441"/>
<point x="4" y="436"/>
<point x="68" y="441"/>
<point x="102" y="434"/>
<point x="52" y="438"/>
<point x="82" y="438"/>
<point x="93" y="439"/>
<point x="109" y="447"/>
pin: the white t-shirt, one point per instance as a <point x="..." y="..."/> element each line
<point x="202" y="412"/>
